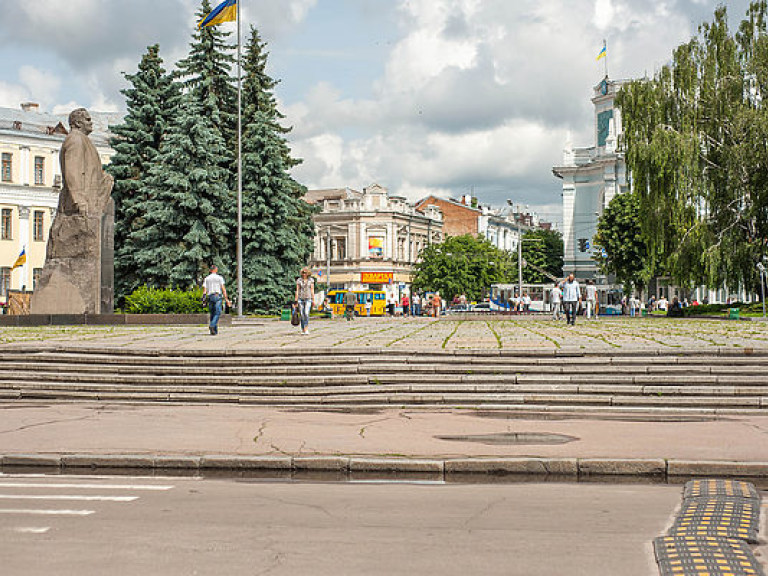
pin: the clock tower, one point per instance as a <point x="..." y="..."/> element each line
<point x="591" y="177"/>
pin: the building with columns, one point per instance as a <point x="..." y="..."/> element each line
<point x="591" y="177"/>
<point x="30" y="180"/>
<point x="369" y="240"/>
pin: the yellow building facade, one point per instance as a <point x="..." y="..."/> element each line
<point x="30" y="181"/>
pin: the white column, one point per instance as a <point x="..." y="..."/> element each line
<point x="21" y="273"/>
<point x="24" y="166"/>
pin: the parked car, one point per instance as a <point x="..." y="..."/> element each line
<point x="459" y="309"/>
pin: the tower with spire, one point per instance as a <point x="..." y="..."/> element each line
<point x="591" y="177"/>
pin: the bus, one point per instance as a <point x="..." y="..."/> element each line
<point x="377" y="298"/>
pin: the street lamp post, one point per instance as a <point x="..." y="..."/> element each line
<point x="762" y="270"/>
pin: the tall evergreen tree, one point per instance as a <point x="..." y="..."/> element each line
<point x="151" y="101"/>
<point x="207" y="73"/>
<point x="189" y="212"/>
<point x="277" y="223"/>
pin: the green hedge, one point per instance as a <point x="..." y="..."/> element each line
<point x="153" y="301"/>
<point x="718" y="309"/>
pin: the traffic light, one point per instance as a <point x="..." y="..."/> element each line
<point x="583" y="245"/>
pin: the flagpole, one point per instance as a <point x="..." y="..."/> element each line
<point x="239" y="172"/>
<point x="605" y="47"/>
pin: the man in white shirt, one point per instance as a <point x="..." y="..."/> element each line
<point x="213" y="287"/>
<point x="571" y="299"/>
<point x="591" y="291"/>
<point x="556" y="296"/>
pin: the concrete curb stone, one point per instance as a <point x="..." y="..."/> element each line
<point x="246" y="462"/>
<point x="395" y="465"/>
<point x="177" y="462"/>
<point x="619" y="467"/>
<point x="31" y="460"/>
<point x="321" y="463"/>
<point x="717" y="468"/>
<point x="108" y="461"/>
<point x="549" y="466"/>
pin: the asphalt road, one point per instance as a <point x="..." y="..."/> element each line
<point x="67" y="525"/>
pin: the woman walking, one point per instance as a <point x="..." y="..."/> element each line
<point x="305" y="296"/>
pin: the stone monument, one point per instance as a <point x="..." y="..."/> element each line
<point x="78" y="273"/>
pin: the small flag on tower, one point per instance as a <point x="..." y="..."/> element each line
<point x="21" y="260"/>
<point x="224" y="12"/>
<point x="603" y="52"/>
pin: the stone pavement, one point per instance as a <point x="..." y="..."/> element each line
<point x="640" y="443"/>
<point x="417" y="334"/>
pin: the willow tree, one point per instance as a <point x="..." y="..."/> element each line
<point x="696" y="141"/>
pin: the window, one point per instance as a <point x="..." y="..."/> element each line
<point x="36" y="273"/>
<point x="341" y="248"/>
<point x="7" y="167"/>
<point x="37" y="227"/>
<point x="39" y="171"/>
<point x="5" y="224"/>
<point x="5" y="281"/>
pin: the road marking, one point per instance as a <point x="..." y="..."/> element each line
<point x="68" y="497"/>
<point x="48" y="512"/>
<point x="32" y="530"/>
<point x="148" y="487"/>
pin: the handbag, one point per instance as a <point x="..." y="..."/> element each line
<point x="204" y="300"/>
<point x="295" y="320"/>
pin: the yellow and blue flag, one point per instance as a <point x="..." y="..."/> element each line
<point x="21" y="260"/>
<point x="224" y="12"/>
<point x="603" y="53"/>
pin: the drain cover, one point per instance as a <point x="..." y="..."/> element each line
<point x="713" y="487"/>
<point x="512" y="438"/>
<point x="705" y="556"/>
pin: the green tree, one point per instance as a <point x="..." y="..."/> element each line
<point x="543" y="250"/>
<point x="278" y="232"/>
<point x="695" y="139"/>
<point x="188" y="219"/>
<point x="463" y="265"/>
<point x="151" y="101"/>
<point x="207" y="73"/>
<point x="620" y="235"/>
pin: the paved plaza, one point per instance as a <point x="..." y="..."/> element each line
<point x="416" y="334"/>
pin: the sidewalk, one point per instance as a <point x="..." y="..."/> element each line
<point x="440" y="441"/>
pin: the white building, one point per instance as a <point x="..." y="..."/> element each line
<point x="591" y="177"/>
<point x="30" y="180"/>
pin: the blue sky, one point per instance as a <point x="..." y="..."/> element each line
<point x="420" y="96"/>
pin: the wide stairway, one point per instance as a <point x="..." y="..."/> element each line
<point x="732" y="381"/>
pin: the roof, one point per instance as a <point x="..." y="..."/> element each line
<point x="317" y="196"/>
<point x="447" y="201"/>
<point x="46" y="124"/>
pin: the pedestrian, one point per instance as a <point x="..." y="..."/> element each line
<point x="632" y="306"/>
<point x="591" y="291"/>
<point x="556" y="295"/>
<point x="214" y="289"/>
<point x="350" y="301"/>
<point x="405" y="302"/>
<point x="368" y="304"/>
<point x="305" y="296"/>
<point x="416" y="304"/>
<point x="437" y="304"/>
<point x="571" y="299"/>
<point x="526" y="301"/>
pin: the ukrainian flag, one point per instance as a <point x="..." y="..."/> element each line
<point x="603" y="53"/>
<point x="21" y="260"/>
<point x="224" y="12"/>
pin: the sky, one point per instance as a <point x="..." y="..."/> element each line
<point x="445" y="97"/>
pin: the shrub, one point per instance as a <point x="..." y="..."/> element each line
<point x="145" y="300"/>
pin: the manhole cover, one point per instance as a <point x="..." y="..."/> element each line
<point x="512" y="438"/>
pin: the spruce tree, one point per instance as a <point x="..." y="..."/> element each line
<point x="207" y="73"/>
<point x="151" y="101"/>
<point x="277" y="223"/>
<point x="189" y="212"/>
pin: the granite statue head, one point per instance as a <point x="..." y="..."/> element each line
<point x="80" y="119"/>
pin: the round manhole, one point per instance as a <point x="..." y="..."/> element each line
<point x="512" y="438"/>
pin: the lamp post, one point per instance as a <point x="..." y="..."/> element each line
<point x="762" y="270"/>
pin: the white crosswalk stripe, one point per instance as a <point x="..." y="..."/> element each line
<point x="22" y="493"/>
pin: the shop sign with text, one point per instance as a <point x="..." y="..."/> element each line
<point x="376" y="277"/>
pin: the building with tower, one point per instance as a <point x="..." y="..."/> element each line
<point x="591" y="177"/>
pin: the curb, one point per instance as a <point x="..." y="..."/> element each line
<point x="566" y="468"/>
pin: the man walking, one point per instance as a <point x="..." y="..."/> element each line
<point x="556" y="295"/>
<point x="213" y="287"/>
<point x="571" y="299"/>
<point x="350" y="301"/>
<point x="591" y="290"/>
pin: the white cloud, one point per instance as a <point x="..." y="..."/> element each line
<point x="43" y="86"/>
<point x="11" y="95"/>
